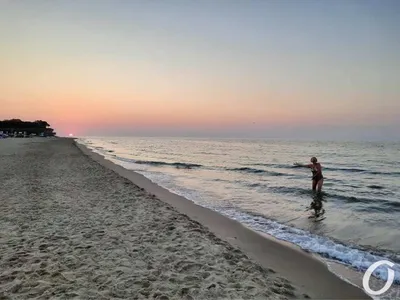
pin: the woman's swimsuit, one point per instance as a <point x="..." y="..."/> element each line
<point x="317" y="176"/>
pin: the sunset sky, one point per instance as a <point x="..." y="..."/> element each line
<point x="207" y="67"/>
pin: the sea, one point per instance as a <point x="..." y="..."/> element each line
<point x="255" y="182"/>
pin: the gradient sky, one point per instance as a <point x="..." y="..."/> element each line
<point x="210" y="67"/>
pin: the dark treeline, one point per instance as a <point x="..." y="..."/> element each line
<point x="16" y="125"/>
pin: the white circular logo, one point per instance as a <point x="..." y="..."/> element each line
<point x="368" y="274"/>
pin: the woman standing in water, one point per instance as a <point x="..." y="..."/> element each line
<point x="317" y="182"/>
<point x="316" y="169"/>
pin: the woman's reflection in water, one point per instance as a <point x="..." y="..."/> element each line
<point x="317" y="205"/>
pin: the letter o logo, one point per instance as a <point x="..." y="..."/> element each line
<point x="368" y="274"/>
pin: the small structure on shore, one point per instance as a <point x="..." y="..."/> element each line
<point x="19" y="128"/>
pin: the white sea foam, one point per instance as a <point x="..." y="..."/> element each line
<point x="358" y="259"/>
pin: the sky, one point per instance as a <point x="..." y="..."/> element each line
<point x="235" y="68"/>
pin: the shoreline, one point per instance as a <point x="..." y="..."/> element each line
<point x="307" y="272"/>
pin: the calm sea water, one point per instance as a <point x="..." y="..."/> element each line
<point x="256" y="183"/>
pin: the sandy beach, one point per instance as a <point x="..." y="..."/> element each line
<point x="75" y="226"/>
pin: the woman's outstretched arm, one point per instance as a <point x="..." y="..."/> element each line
<point x="303" y="165"/>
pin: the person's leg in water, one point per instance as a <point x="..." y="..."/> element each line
<point x="313" y="203"/>
<point x="316" y="205"/>
<point x="319" y="185"/>
<point x="314" y="185"/>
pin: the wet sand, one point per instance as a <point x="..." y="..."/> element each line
<point x="71" y="227"/>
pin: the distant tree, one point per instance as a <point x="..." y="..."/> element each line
<point x="37" y="127"/>
<point x="42" y="123"/>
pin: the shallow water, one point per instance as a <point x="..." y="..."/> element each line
<point x="256" y="183"/>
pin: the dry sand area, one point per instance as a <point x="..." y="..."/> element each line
<point x="70" y="228"/>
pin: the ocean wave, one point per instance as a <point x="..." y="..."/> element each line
<point x="384" y="173"/>
<point x="346" y="170"/>
<point x="380" y="207"/>
<point x="103" y="150"/>
<point x="257" y="171"/>
<point x="349" y="170"/>
<point x="124" y="159"/>
<point x="211" y="153"/>
<point x="294" y="191"/>
<point x="163" y="163"/>
<point x="182" y="165"/>
<point x="375" y="187"/>
<point x="159" y="163"/>
<point x="353" y="199"/>
<point x="281" y="166"/>
<point x="361" y="171"/>
<point x="254" y="185"/>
